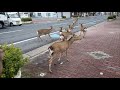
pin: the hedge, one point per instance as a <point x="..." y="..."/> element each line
<point x="26" y="19"/>
<point x="112" y="17"/>
<point x="63" y="16"/>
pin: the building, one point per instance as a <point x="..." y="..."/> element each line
<point x="45" y="14"/>
<point x="24" y="14"/>
<point x="61" y="14"/>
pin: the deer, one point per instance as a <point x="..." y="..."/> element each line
<point x="73" y="24"/>
<point x="68" y="31"/>
<point x="82" y="29"/>
<point x="44" y="32"/>
<point x="60" y="47"/>
<point x="1" y="58"/>
<point x="65" y="34"/>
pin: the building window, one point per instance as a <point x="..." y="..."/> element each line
<point x="47" y="14"/>
<point x="39" y="14"/>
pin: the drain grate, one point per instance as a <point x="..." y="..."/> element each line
<point x="99" y="55"/>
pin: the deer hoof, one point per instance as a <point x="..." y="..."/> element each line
<point x="55" y="64"/>
<point x="67" y="60"/>
<point x="50" y="71"/>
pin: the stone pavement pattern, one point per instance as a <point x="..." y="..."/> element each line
<point x="104" y="37"/>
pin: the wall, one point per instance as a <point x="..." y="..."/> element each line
<point x="45" y="14"/>
<point x="67" y="14"/>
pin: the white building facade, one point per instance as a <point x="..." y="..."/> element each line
<point x="60" y="14"/>
<point x="51" y="14"/>
<point x="45" y="14"/>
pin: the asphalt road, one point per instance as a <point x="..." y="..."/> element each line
<point x="25" y="36"/>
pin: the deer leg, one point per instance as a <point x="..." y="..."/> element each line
<point x="66" y="56"/>
<point x="84" y="34"/>
<point x="50" y="63"/>
<point x="41" y="39"/>
<point x="60" y="56"/>
<point x="80" y="33"/>
<point x="49" y="35"/>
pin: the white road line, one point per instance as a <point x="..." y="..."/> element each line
<point x="23" y="41"/>
<point x="11" y="31"/>
<point x="54" y="32"/>
<point x="29" y="39"/>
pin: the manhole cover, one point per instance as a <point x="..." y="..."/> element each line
<point x="99" y="55"/>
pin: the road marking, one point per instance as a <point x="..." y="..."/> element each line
<point x="30" y="39"/>
<point x="11" y="31"/>
<point x="23" y="41"/>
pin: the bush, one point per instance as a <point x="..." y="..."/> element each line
<point x="112" y="17"/>
<point x="63" y="16"/>
<point x="12" y="61"/>
<point x="26" y="19"/>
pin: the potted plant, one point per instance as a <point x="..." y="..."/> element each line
<point x="12" y="62"/>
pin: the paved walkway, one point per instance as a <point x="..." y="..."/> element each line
<point x="95" y="56"/>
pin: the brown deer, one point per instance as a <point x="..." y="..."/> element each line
<point x="82" y="30"/>
<point x="60" y="47"/>
<point x="73" y="24"/>
<point x="1" y="58"/>
<point x="68" y="31"/>
<point x="44" y="32"/>
<point x="65" y="34"/>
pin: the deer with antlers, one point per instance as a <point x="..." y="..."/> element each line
<point x="44" y="32"/>
<point x="68" y="31"/>
<point x="60" y="47"/>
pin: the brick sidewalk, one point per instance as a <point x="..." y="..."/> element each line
<point x="104" y="37"/>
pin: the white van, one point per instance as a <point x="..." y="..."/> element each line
<point x="14" y="19"/>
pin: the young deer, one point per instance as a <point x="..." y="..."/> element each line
<point x="73" y="24"/>
<point x="82" y="29"/>
<point x="44" y="32"/>
<point x="1" y="58"/>
<point x="60" y="47"/>
<point x="65" y="34"/>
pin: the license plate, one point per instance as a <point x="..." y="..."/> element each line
<point x="17" y="22"/>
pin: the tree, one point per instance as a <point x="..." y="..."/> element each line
<point x="18" y="14"/>
<point x="62" y="14"/>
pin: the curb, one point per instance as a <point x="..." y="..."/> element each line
<point x="29" y="22"/>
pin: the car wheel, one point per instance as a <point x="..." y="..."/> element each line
<point x="20" y="24"/>
<point x="11" y="24"/>
<point x="1" y="25"/>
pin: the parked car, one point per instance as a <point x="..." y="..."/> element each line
<point x="14" y="19"/>
<point x="3" y="20"/>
